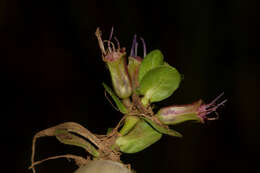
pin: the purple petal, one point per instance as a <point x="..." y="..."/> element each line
<point x="207" y="109"/>
<point x="214" y="101"/>
<point x="117" y="42"/>
<point x="133" y="46"/>
<point x="111" y="33"/>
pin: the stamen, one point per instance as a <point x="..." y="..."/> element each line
<point x="111" y="33"/>
<point x="214" y="101"/>
<point x="133" y="46"/>
<point x="213" y="109"/>
<point x="136" y="47"/>
<point x="117" y="42"/>
<point x="213" y="118"/>
<point x="207" y="109"/>
<point x="216" y="106"/>
<point x="109" y="40"/>
<point x="144" y="45"/>
<point x="109" y="48"/>
<point x="113" y="46"/>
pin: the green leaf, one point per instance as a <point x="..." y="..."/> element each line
<point x="141" y="137"/>
<point x="118" y="102"/>
<point x="66" y="137"/>
<point x="159" y="83"/>
<point x="150" y="61"/>
<point x="162" y="129"/>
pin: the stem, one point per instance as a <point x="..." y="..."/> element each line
<point x="100" y="42"/>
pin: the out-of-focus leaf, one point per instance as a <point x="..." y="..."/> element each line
<point x="159" y="83"/>
<point x="68" y="138"/>
<point x="150" y="61"/>
<point x="118" y="102"/>
<point x="141" y="137"/>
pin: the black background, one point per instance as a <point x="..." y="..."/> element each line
<point x="51" y="72"/>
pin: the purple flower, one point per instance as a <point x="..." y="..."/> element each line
<point x="197" y="111"/>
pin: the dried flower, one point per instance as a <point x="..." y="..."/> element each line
<point x="115" y="58"/>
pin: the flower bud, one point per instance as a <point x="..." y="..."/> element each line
<point x="116" y="63"/>
<point x="196" y="111"/>
<point x="134" y="62"/>
<point x="133" y="69"/>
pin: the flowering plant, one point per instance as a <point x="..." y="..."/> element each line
<point x="137" y="83"/>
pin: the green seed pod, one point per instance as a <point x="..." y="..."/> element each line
<point x="103" y="166"/>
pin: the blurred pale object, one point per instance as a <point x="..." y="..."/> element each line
<point x="103" y="166"/>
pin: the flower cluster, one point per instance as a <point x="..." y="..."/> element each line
<point x="138" y="82"/>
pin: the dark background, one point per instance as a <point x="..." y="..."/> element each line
<point x="51" y="72"/>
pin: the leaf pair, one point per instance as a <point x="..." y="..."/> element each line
<point x="72" y="134"/>
<point x="68" y="138"/>
<point x="157" y="80"/>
